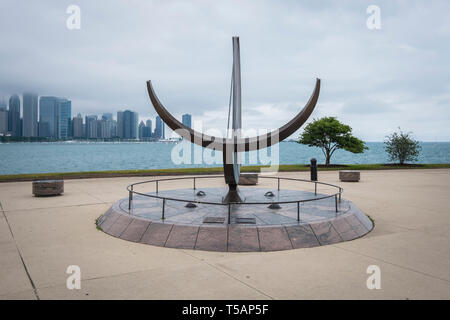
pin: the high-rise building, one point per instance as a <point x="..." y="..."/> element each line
<point x="103" y="129"/>
<point x="30" y="115"/>
<point x="107" y="116"/>
<point x="187" y="120"/>
<point x="159" y="128"/>
<point x="147" y="130"/>
<point x="127" y="124"/>
<point x="119" y="128"/>
<point x="141" y="130"/>
<point x="148" y="124"/>
<point x="48" y="117"/>
<point x="91" y="127"/>
<point x="64" y="114"/>
<point x="14" y="125"/>
<point x="2" y="104"/>
<point x="3" y="121"/>
<point x="113" y="129"/>
<point x="77" y="124"/>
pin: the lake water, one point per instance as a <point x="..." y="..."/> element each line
<point x="42" y="157"/>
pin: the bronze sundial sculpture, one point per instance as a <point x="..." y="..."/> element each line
<point x="231" y="147"/>
<point x="207" y="219"/>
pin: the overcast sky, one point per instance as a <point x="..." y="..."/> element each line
<point x="373" y="80"/>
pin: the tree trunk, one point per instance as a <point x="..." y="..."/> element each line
<point x="327" y="160"/>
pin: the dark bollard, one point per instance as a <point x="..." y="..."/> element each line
<point x="313" y="168"/>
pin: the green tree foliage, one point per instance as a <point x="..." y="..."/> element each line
<point x="329" y="135"/>
<point x="402" y="147"/>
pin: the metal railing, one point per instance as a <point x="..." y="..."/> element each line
<point x="130" y="188"/>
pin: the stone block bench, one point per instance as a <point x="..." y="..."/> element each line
<point x="248" y="179"/>
<point x="48" y="187"/>
<point x="349" y="175"/>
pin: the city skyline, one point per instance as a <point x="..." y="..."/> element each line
<point x="51" y="117"/>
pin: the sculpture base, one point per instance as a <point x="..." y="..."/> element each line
<point x="252" y="227"/>
<point x="233" y="195"/>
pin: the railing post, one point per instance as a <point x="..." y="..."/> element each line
<point x="129" y="200"/>
<point x="157" y="186"/>
<point x="229" y="213"/>
<point x="194" y="183"/>
<point x="336" y="203"/>
<point x="278" y="184"/>
<point x="315" y="188"/>
<point x="163" y="208"/>
<point x="340" y="194"/>
<point x="313" y="169"/>
<point x="298" y="211"/>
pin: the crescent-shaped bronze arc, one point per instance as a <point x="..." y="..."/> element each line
<point x="243" y="144"/>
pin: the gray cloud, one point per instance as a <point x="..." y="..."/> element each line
<point x="185" y="48"/>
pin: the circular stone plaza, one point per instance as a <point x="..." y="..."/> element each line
<point x="126" y="250"/>
<point x="268" y="218"/>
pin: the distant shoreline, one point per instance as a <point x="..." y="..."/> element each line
<point x="201" y="171"/>
<point x="47" y="140"/>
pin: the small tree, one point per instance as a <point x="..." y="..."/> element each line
<point x="402" y="147"/>
<point x="329" y="134"/>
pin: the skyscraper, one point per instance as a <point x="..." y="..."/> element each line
<point x="2" y="104"/>
<point x="103" y="128"/>
<point x="187" y="120"/>
<point x="159" y="128"/>
<point x="78" y="127"/>
<point x="149" y="126"/>
<point x="113" y="128"/>
<point x="14" y="125"/>
<point x="3" y="121"/>
<point x="91" y="127"/>
<point x="127" y="124"/>
<point x="141" y="130"/>
<point x="107" y="116"/>
<point x="64" y="114"/>
<point x="148" y="129"/>
<point x="48" y="117"/>
<point x="119" y="127"/>
<point x="30" y="115"/>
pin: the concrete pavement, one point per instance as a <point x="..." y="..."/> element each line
<point x="41" y="237"/>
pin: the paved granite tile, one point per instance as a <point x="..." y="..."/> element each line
<point x="242" y="239"/>
<point x="135" y="230"/>
<point x="109" y="221"/>
<point x="212" y="239"/>
<point x="356" y="225"/>
<point x="355" y="222"/>
<point x="156" y="234"/>
<point x="341" y="225"/>
<point x="325" y="233"/>
<point x="104" y="217"/>
<point x="120" y="225"/>
<point x="364" y="219"/>
<point x="182" y="237"/>
<point x="349" y="235"/>
<point x="345" y="230"/>
<point x="273" y="238"/>
<point x="302" y="236"/>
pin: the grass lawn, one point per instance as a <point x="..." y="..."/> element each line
<point x="215" y="170"/>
